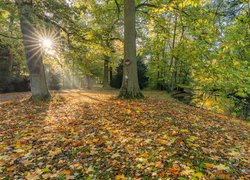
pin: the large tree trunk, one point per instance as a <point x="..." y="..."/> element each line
<point x="33" y="52"/>
<point x="130" y="86"/>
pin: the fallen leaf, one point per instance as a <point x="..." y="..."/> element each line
<point x="120" y="177"/>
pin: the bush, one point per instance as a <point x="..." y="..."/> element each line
<point x="17" y="84"/>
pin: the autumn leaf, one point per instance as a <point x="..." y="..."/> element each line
<point x="184" y="130"/>
<point x="54" y="152"/>
<point x="19" y="151"/>
<point x="72" y="137"/>
<point x="174" y="170"/>
<point x="95" y="140"/>
<point x="116" y="155"/>
<point x="187" y="172"/>
<point x="3" y="157"/>
<point x="198" y="175"/>
<point x="159" y="164"/>
<point x="224" y="176"/>
<point x="120" y="177"/>
<point x="66" y="172"/>
<point x="209" y="165"/>
<point x="144" y="155"/>
<point x="32" y="176"/>
<point x="221" y="167"/>
<point x="193" y="138"/>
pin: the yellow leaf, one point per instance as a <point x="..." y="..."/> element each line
<point x="19" y="151"/>
<point x="66" y="172"/>
<point x="198" y="175"/>
<point x="187" y="172"/>
<point x="18" y="144"/>
<point x="192" y="138"/>
<point x="129" y="111"/>
<point x="55" y="152"/>
<point x="221" y="167"/>
<point x="3" y="157"/>
<point x="184" y="131"/>
<point x="115" y="155"/>
<point x="10" y="168"/>
<point x="120" y="177"/>
<point x="234" y="153"/>
<point x="209" y="165"/>
<point x="95" y="140"/>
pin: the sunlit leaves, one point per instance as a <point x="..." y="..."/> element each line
<point x="86" y="135"/>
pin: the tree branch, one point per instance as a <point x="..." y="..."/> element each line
<point x="145" y="4"/>
<point x="118" y="9"/>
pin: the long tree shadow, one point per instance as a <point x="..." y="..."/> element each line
<point x="120" y="135"/>
<point x="92" y="98"/>
<point x="112" y="137"/>
<point x="16" y="116"/>
<point x="21" y="129"/>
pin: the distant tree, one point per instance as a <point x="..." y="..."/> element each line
<point x="5" y="67"/>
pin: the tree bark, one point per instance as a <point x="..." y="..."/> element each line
<point x="33" y="52"/>
<point x="130" y="86"/>
<point x="89" y="82"/>
<point x="173" y="58"/>
<point x="110" y="75"/>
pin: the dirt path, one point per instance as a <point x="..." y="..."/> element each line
<point x="13" y="96"/>
<point x="85" y="95"/>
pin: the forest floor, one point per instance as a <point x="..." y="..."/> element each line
<point x="93" y="135"/>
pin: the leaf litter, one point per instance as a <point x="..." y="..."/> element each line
<point x="93" y="135"/>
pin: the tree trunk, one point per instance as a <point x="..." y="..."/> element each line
<point x="130" y="86"/>
<point x="5" y="67"/>
<point x="89" y="82"/>
<point x="110" y="75"/>
<point x="173" y="58"/>
<point x="33" y="53"/>
<point x="246" y="108"/>
<point x="106" y="72"/>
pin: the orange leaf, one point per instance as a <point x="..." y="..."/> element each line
<point x="159" y="164"/>
<point x="66" y="172"/>
<point x="175" y="170"/>
<point x="120" y="177"/>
